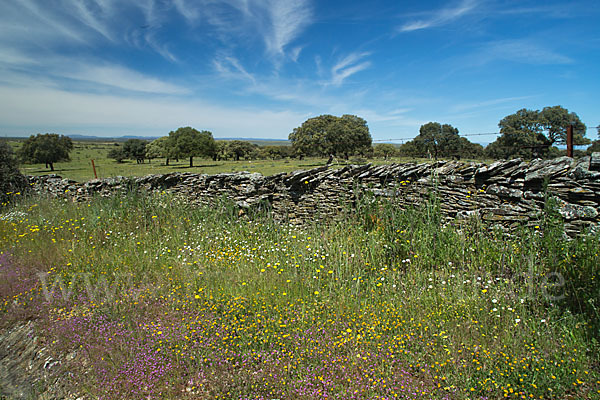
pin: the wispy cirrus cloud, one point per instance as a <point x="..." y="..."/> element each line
<point x="288" y="18"/>
<point x="95" y="14"/>
<point x="275" y="24"/>
<point x="526" y="51"/>
<point x="32" y="23"/>
<point x="230" y="67"/>
<point x="122" y="78"/>
<point x="348" y="66"/>
<point x="491" y="103"/>
<point x="53" y="70"/>
<point x="278" y="22"/>
<point x="441" y="16"/>
<point x="191" y="12"/>
<point x="150" y="38"/>
<point x="51" y="24"/>
<point x="14" y="57"/>
<point x="215" y="13"/>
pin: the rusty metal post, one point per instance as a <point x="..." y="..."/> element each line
<point x="94" y="168"/>
<point x="570" y="141"/>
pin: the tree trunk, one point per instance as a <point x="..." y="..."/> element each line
<point x="51" y="166"/>
<point x="167" y="162"/>
<point x="191" y="161"/>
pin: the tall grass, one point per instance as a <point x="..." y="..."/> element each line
<point x="159" y="299"/>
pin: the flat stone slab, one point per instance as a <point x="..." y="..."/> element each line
<point x="595" y="161"/>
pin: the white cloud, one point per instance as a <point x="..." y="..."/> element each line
<point x="122" y="78"/>
<point x="287" y="20"/>
<point x="10" y="56"/>
<point x="441" y="17"/>
<point x="43" y="109"/>
<point x="142" y="23"/>
<point x="348" y="66"/>
<point x="25" y="21"/>
<point x="50" y="24"/>
<point x="191" y="12"/>
<point x="161" y="48"/>
<point x="21" y="70"/>
<point x="522" y="51"/>
<point x="492" y="103"/>
<point x="295" y="53"/>
<point x="95" y="15"/>
<point x="231" y="68"/>
<point x="277" y="22"/>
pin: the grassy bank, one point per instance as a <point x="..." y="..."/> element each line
<point x="162" y="300"/>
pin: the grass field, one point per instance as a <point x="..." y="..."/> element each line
<point x="80" y="167"/>
<point x="161" y="300"/>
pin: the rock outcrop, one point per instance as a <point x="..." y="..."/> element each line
<point x="27" y="371"/>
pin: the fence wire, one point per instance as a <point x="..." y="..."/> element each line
<point x="406" y="139"/>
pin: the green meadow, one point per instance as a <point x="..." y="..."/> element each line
<point x="157" y="299"/>
<point x="84" y="151"/>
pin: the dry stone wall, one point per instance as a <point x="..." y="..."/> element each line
<point x="510" y="193"/>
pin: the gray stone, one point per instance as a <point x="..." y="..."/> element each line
<point x="595" y="161"/>
<point x="540" y="170"/>
<point x="504" y="191"/>
<point x="27" y="371"/>
<point x="582" y="172"/>
<point x="504" y="214"/>
<point x="571" y="212"/>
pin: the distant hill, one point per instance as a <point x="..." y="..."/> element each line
<point x="258" y="141"/>
<point x="92" y="138"/>
<point x="118" y="139"/>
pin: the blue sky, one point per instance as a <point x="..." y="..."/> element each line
<point x="259" y="68"/>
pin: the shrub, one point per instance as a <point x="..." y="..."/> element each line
<point x="11" y="179"/>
